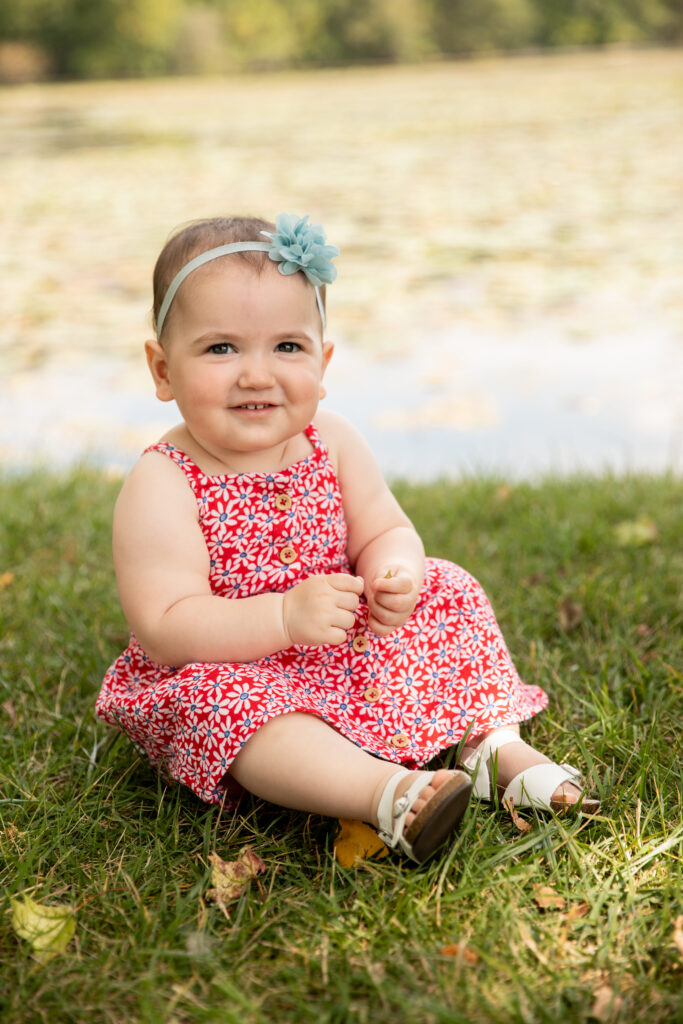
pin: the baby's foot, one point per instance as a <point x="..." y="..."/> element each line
<point x="425" y="795"/>
<point x="433" y="813"/>
<point x="513" y="758"/>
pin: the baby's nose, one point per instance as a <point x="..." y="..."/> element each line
<point x="255" y="372"/>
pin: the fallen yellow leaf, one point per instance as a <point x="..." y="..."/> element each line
<point x="357" y="841"/>
<point x="547" y="899"/>
<point x="48" y="929"/>
<point x="5" y="579"/>
<point x="230" y="878"/>
<point x="633" y="533"/>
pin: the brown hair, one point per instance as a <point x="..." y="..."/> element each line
<point x="197" y="237"/>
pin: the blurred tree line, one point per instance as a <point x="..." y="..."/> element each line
<point x="111" y="38"/>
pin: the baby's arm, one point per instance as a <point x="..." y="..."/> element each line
<point x="162" y="570"/>
<point x="384" y="547"/>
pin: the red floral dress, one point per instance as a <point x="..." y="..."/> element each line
<point x="403" y="697"/>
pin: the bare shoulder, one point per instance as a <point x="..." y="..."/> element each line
<point x="339" y="434"/>
<point x="155" y="488"/>
<point x="160" y="555"/>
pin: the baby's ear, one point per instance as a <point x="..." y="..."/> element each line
<point x="328" y="350"/>
<point x="158" y="367"/>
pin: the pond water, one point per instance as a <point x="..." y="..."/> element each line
<point x="509" y="295"/>
<point x="463" y="404"/>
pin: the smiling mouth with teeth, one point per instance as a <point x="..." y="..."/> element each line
<point x="256" y="405"/>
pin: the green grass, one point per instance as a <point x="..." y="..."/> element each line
<point x="84" y="820"/>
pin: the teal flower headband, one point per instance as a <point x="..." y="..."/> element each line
<point x="295" y="245"/>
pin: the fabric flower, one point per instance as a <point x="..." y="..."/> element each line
<point x="297" y="245"/>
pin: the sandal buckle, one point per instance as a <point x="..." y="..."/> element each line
<point x="400" y="806"/>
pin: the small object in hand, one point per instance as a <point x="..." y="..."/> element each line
<point x="388" y="574"/>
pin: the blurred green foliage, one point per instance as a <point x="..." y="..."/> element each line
<point x="99" y="38"/>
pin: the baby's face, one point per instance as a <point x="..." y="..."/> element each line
<point x="244" y="357"/>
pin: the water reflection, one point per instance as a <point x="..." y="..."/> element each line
<point x="509" y="291"/>
<point x="464" y="404"/>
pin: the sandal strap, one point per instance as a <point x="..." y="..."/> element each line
<point x="501" y="738"/>
<point x="478" y="770"/>
<point x="477" y="764"/>
<point x="534" y="787"/>
<point x="391" y="817"/>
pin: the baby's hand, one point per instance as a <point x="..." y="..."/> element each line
<point x="321" y="609"/>
<point x="391" y="600"/>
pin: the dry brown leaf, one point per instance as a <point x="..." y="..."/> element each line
<point x="71" y="551"/>
<point x="12" y="835"/>
<point x="548" y="899"/>
<point x="459" y="949"/>
<point x="521" y="823"/>
<point x="6" y="578"/>
<point x="10" y="710"/>
<point x="357" y="841"/>
<point x="230" y="878"/>
<point x="570" y="614"/>
<point x="577" y="910"/>
<point x="606" y="1004"/>
<point x="678" y="934"/>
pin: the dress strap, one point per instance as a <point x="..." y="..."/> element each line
<point x="314" y="437"/>
<point x="191" y="470"/>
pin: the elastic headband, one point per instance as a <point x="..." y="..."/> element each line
<point x="295" y="245"/>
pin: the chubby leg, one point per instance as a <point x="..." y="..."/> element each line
<point x="299" y="761"/>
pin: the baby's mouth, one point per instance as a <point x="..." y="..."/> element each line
<point x="254" y="406"/>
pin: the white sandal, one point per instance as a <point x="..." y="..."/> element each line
<point x="532" y="787"/>
<point x="432" y="824"/>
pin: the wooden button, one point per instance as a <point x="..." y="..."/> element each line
<point x="400" y="740"/>
<point x="283" y="502"/>
<point x="372" y="694"/>
<point x="288" y="554"/>
<point x="360" y="643"/>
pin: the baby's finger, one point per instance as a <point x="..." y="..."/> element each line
<point x="336" y="635"/>
<point x="380" y="628"/>
<point x="346" y="599"/>
<point x="389" y="615"/>
<point x="391" y="602"/>
<point x="344" y="581"/>
<point x="343" y="619"/>
<point x="389" y="619"/>
<point x="400" y="584"/>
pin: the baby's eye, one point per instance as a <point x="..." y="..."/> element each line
<point x="289" y="346"/>
<point x="221" y="348"/>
